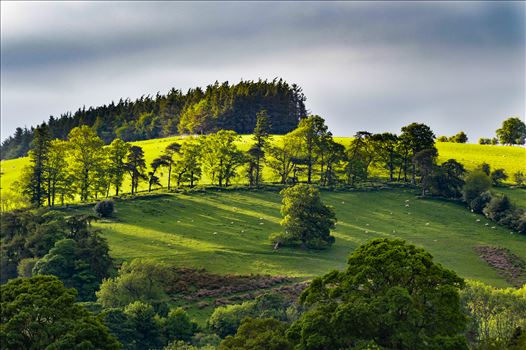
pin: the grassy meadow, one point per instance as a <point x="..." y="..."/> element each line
<point x="227" y="232"/>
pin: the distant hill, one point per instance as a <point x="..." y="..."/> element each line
<point x="219" y="106"/>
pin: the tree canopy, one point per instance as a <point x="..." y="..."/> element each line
<point x="392" y="294"/>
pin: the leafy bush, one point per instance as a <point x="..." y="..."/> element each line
<point x="498" y="208"/>
<point x="497" y="176"/>
<point x="476" y="183"/>
<point x="104" y="208"/>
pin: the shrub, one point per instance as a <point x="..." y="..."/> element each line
<point x="497" y="176"/>
<point x="498" y="208"/>
<point x="519" y="178"/>
<point x="104" y="208"/>
<point x="479" y="203"/>
<point x="476" y="183"/>
<point x="25" y="267"/>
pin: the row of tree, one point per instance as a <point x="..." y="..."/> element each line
<point x="219" y="106"/>
<point x="512" y="132"/>
<point x="82" y="168"/>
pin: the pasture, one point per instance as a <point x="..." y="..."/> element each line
<point x="227" y="232"/>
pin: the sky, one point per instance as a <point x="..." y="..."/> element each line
<point x="374" y="66"/>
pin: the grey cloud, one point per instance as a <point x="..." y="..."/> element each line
<point x="362" y="65"/>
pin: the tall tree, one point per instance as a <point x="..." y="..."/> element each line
<point x="86" y="156"/>
<point x="136" y="166"/>
<point x="39" y="313"/>
<point x="385" y="147"/>
<point x="117" y="152"/>
<point x="417" y="137"/>
<point x="153" y="179"/>
<point x="35" y="181"/>
<point x="281" y="156"/>
<point x="56" y="170"/>
<point x="188" y="166"/>
<point x="360" y="155"/>
<point x="306" y="219"/>
<point x="391" y="296"/>
<point x="312" y="131"/>
<point x="169" y="153"/>
<point x="512" y="132"/>
<point x="221" y="157"/>
<point x="261" y="136"/>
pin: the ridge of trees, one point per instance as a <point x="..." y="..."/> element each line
<point x="198" y="111"/>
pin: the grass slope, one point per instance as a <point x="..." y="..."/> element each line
<point x="227" y="232"/>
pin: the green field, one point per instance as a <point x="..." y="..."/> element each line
<point x="511" y="158"/>
<point x="227" y="232"/>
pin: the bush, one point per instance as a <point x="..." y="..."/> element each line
<point x="519" y="178"/>
<point x="478" y="204"/>
<point x="498" y="208"/>
<point x="475" y="184"/>
<point x="25" y="267"/>
<point x="497" y="176"/>
<point x="104" y="208"/>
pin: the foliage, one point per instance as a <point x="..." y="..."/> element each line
<point x="391" y="293"/>
<point x="27" y="234"/>
<point x="117" y="152"/>
<point x="147" y="328"/>
<point x="258" y="334"/>
<point x="86" y="159"/>
<point x="39" y="313"/>
<point x="81" y="261"/>
<point x="136" y="165"/>
<point x="447" y="180"/>
<point x="306" y="220"/>
<point x="104" y="208"/>
<point x="519" y="178"/>
<point x="178" y="326"/>
<point x="512" y="132"/>
<point x="497" y="176"/>
<point x="137" y="280"/>
<point x="476" y="183"/>
<point x="495" y="314"/>
<point x="417" y="137"/>
<point x="221" y="157"/>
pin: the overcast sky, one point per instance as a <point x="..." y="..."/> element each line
<point x="363" y="66"/>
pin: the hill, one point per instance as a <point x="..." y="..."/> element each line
<point x="227" y="232"/>
<point x="218" y="106"/>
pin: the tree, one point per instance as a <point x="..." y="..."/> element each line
<point x="360" y="155"/>
<point x="386" y="150"/>
<point x="520" y="178"/>
<point x="485" y="167"/>
<point x="137" y="280"/>
<point x="221" y="157"/>
<point x="494" y="314"/>
<point x="35" y="182"/>
<point x="117" y="152"/>
<point x="512" y="132"/>
<point x="188" y="166"/>
<point x="135" y="165"/>
<point x="448" y="179"/>
<point x="311" y="130"/>
<point x="282" y="154"/>
<point x="261" y="136"/>
<point x="417" y="137"/>
<point x="147" y="327"/>
<point x="81" y="261"/>
<point x="425" y="163"/>
<point x="104" y="209"/>
<point x="56" y="174"/>
<point x="476" y="183"/>
<point x="178" y="326"/>
<point x="170" y="151"/>
<point x="39" y="313"/>
<point x="461" y="137"/>
<point x="497" y="176"/>
<point x="391" y="294"/>
<point x="333" y="155"/>
<point x="86" y="156"/>
<point x="306" y="220"/>
<point x="158" y="162"/>
<point x="258" y="334"/>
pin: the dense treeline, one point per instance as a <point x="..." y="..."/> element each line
<point x="198" y="111"/>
